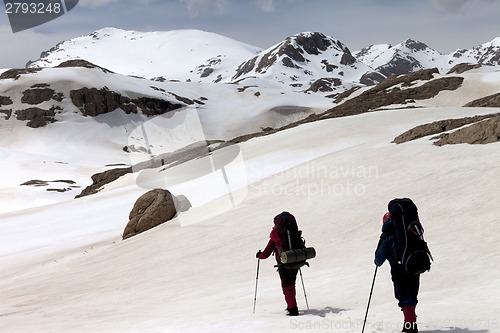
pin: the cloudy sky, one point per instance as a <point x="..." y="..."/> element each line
<point x="444" y="25"/>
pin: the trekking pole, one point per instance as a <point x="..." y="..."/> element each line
<point x="369" y="299"/>
<point x="304" y="288"/>
<point x="256" y="281"/>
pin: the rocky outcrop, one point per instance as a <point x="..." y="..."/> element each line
<point x="295" y="52"/>
<point x="150" y="210"/>
<point x="195" y="150"/>
<point x="482" y="132"/>
<point x="492" y="101"/>
<point x="61" y="185"/>
<point x="462" y="68"/>
<point x="6" y="114"/>
<point x="395" y="90"/>
<point x="40" y="93"/>
<point x="324" y="84"/>
<point x="81" y="63"/>
<point x="15" y="73"/>
<point x="36" y="117"/>
<point x="371" y="78"/>
<point x="5" y="100"/>
<point x="93" y="102"/>
<point x="437" y="127"/>
<point x="103" y="178"/>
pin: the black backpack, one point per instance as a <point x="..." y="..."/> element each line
<point x="411" y="249"/>
<point x="293" y="253"/>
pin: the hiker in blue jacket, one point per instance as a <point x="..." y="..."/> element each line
<point x="405" y="285"/>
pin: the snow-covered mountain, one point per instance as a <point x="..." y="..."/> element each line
<point x="485" y="54"/>
<point x="405" y="57"/>
<point x="412" y="55"/>
<point x="307" y="62"/>
<point x="168" y="55"/>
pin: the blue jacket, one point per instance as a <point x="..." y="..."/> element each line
<point x="385" y="248"/>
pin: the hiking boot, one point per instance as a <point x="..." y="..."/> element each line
<point x="410" y="327"/>
<point x="292" y="311"/>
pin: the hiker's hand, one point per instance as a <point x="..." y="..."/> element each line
<point x="258" y="254"/>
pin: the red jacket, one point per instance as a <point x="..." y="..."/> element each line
<point x="275" y="244"/>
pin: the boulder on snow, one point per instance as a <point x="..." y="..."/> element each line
<point x="152" y="209"/>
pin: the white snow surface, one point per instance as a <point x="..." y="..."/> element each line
<point x="169" y="54"/>
<point x="66" y="269"/>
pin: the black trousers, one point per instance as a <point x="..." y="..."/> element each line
<point x="287" y="276"/>
<point x="405" y="286"/>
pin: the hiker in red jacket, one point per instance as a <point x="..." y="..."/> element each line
<point x="287" y="276"/>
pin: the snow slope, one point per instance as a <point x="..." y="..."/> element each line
<point x="169" y="54"/>
<point x="66" y="269"/>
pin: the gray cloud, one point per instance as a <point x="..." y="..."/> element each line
<point x="456" y="6"/>
<point x="101" y="3"/>
<point x="197" y="8"/>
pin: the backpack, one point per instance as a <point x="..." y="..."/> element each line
<point x="293" y="252"/>
<point x="411" y="249"/>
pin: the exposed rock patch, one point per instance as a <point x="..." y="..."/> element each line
<point x="7" y="114"/>
<point x="463" y="67"/>
<point x="371" y="78"/>
<point x="81" y="63"/>
<point x="103" y="178"/>
<point x="36" y="117"/>
<point x="388" y="93"/>
<point x="93" y="102"/>
<point x="42" y="183"/>
<point x="36" y="95"/>
<point x="195" y="150"/>
<point x="324" y="84"/>
<point x="5" y="100"/>
<point x="482" y="132"/>
<point x="437" y="127"/>
<point x="15" y="73"/>
<point x="492" y="101"/>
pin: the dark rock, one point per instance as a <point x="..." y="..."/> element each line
<point x="463" y="67"/>
<point x="37" y="95"/>
<point x="37" y="117"/>
<point x="371" y="78"/>
<point x="398" y="66"/>
<point x="15" y="73"/>
<point x="347" y="59"/>
<point x="482" y="132"/>
<point x="93" y="102"/>
<point x="385" y="93"/>
<point x="150" y="210"/>
<point x="5" y="100"/>
<point x="103" y="178"/>
<point x="415" y="45"/>
<point x="81" y="63"/>
<point x="7" y="113"/>
<point x="437" y="127"/>
<point x="324" y="84"/>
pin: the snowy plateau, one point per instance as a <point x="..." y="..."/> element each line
<point x="307" y="126"/>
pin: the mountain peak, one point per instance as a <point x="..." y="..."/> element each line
<point x="414" y="45"/>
